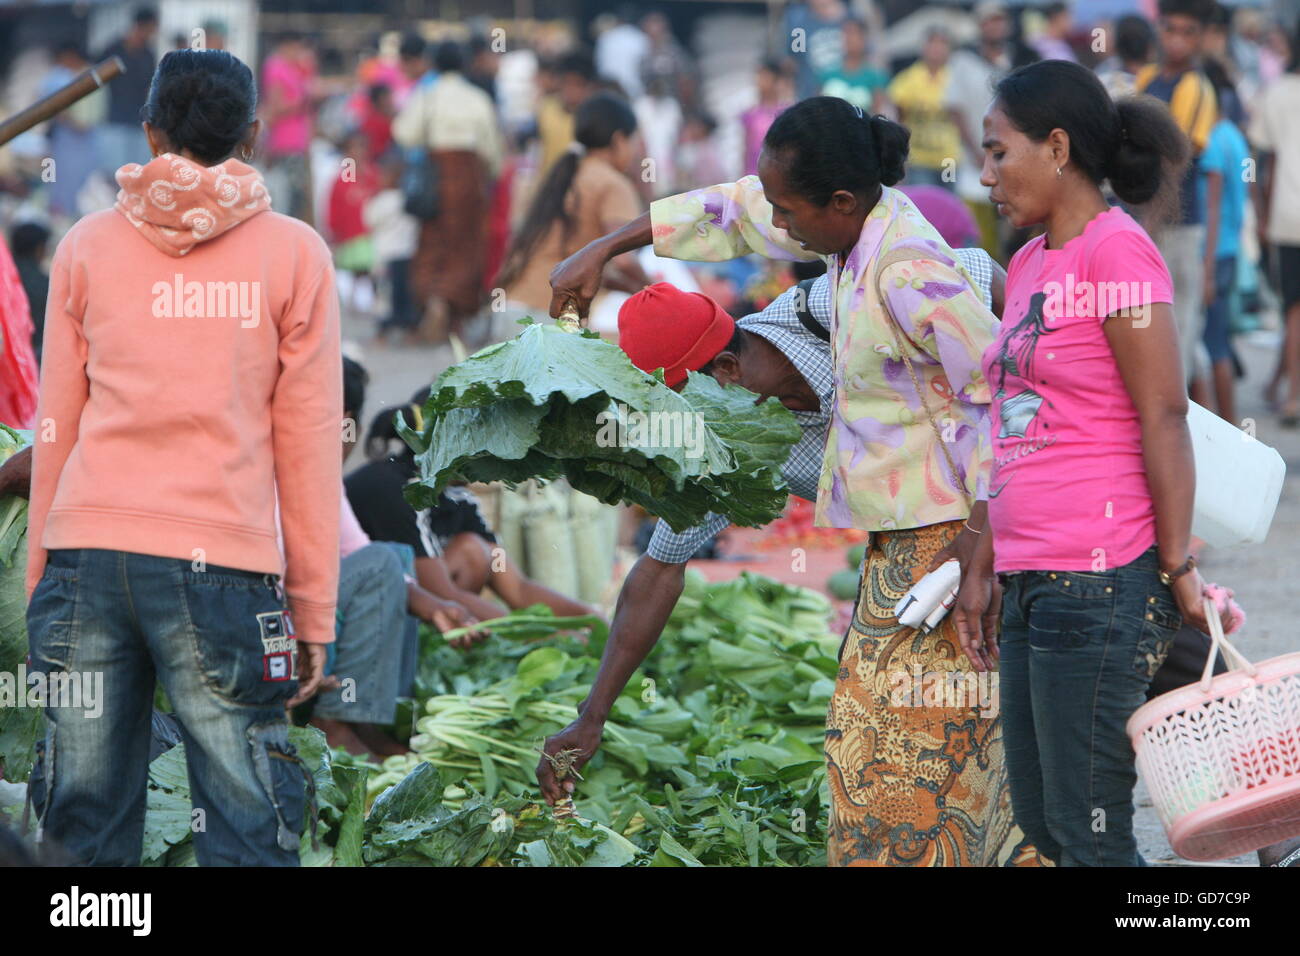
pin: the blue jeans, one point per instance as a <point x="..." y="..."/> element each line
<point x="213" y="639"/>
<point x="1078" y="650"/>
<point x="372" y="640"/>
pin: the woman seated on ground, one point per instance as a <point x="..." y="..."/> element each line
<point x="372" y="661"/>
<point x="456" y="553"/>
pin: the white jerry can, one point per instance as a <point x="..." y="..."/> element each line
<point x="1238" y="481"/>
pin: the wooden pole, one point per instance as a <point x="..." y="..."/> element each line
<point x="85" y="84"/>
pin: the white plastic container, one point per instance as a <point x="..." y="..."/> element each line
<point x="1238" y="481"/>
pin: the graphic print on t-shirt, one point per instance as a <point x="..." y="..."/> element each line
<point x="1019" y="410"/>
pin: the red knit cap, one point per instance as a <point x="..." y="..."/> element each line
<point x="663" y="327"/>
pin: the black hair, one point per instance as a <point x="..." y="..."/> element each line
<point x="383" y="431"/>
<point x="1220" y="16"/>
<point x="145" y="15"/>
<point x="1054" y="9"/>
<point x="70" y="46"/>
<point x="412" y="45"/>
<point x="736" y="345"/>
<point x="594" y="124"/>
<point x="1198" y="10"/>
<point x="1134" y="142"/>
<point x="772" y="65"/>
<point x="578" y="62"/>
<point x="478" y="43"/>
<point x="203" y="100"/>
<point x="378" y="92"/>
<point x="449" y="57"/>
<point x="703" y="117"/>
<point x="1134" y="39"/>
<point x="825" y="144"/>
<point x="26" y="239"/>
<point x="1224" y="90"/>
<point x="355" y="380"/>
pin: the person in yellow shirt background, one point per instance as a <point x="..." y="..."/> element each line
<point x="920" y="93"/>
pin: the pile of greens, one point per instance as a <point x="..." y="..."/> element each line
<point x="712" y="756"/>
<point x="19" y="726"/>
<point x="531" y="408"/>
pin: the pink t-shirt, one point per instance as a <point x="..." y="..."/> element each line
<point x="351" y="536"/>
<point x="289" y="133"/>
<point x="1068" y="490"/>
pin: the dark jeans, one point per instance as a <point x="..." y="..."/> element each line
<point x="212" y="638"/>
<point x="372" y="640"/>
<point x="1078" y="651"/>
<point x="1218" y="315"/>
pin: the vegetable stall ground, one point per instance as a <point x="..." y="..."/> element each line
<point x="712" y="755"/>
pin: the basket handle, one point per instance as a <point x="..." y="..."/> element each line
<point x="1218" y="641"/>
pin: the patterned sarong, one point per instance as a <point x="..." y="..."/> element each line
<point x="913" y="742"/>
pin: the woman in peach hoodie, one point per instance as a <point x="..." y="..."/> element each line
<point x="190" y="390"/>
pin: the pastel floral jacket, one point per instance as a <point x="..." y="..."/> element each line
<point x="883" y="467"/>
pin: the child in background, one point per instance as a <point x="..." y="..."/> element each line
<point x="27" y="241"/>
<point x="393" y="235"/>
<point x="353" y="253"/>
<point x="773" y="97"/>
<point x="1222" y="191"/>
<point x="377" y="120"/>
<point x="698" y="158"/>
<point x="1179" y="81"/>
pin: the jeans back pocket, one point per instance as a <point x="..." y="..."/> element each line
<point x="240" y="638"/>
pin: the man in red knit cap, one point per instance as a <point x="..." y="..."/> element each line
<point x="663" y="327"/>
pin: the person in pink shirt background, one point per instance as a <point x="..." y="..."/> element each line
<point x="288" y="109"/>
<point x="773" y="97"/>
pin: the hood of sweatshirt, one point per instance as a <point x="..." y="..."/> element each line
<point x="177" y="203"/>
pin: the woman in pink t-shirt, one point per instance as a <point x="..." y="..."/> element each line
<point x="1090" y="499"/>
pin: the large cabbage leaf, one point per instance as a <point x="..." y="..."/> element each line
<point x="531" y="408"/>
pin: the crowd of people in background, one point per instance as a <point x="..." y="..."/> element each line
<point x="424" y="163"/>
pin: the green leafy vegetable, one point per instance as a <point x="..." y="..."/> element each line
<point x="550" y="404"/>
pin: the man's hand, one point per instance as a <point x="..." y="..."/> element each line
<point x="16" y="474"/>
<point x="311" y="671"/>
<point x="582" y="735"/>
<point x="1207" y="285"/>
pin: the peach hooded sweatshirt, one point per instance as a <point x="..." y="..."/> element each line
<point x="191" y="372"/>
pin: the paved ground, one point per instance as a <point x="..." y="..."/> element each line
<point x="1265" y="578"/>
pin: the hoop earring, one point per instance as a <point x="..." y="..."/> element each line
<point x="246" y="154"/>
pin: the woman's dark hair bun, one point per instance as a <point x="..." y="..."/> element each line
<point x="891" y="148"/>
<point x="1151" y="151"/>
<point x="203" y="100"/>
<point x="827" y="144"/>
<point x="1135" y="144"/>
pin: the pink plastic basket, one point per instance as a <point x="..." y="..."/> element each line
<point x="1222" y="757"/>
